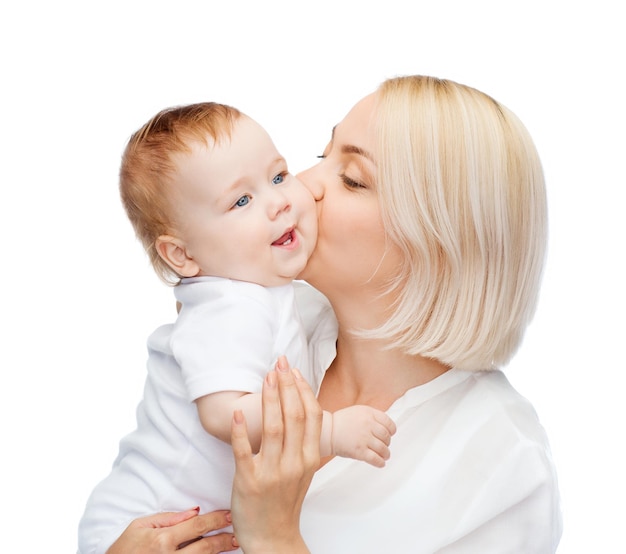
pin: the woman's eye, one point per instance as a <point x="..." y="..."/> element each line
<point x="242" y="201"/>
<point x="279" y="178"/>
<point x="351" y="183"/>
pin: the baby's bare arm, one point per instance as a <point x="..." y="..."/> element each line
<point x="216" y="414"/>
<point x="359" y="432"/>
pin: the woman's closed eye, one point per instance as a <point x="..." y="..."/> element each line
<point x="351" y="183"/>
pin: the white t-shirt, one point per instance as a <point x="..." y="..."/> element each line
<point x="470" y="470"/>
<point x="227" y="336"/>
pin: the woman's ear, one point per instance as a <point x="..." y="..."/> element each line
<point x="174" y="254"/>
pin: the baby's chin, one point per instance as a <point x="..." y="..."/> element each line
<point x="301" y="275"/>
<point x="285" y="279"/>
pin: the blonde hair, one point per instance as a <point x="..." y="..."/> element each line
<point x="148" y="168"/>
<point x="462" y="194"/>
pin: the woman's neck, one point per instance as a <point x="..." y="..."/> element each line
<point x="366" y="372"/>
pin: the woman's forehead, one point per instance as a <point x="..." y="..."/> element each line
<point x="357" y="128"/>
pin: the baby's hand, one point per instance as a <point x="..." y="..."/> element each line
<point x="362" y="433"/>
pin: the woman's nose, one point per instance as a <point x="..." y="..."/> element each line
<point x="311" y="178"/>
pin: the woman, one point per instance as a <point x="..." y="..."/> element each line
<point x="432" y="231"/>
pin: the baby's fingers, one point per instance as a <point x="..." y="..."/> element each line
<point x="386" y="421"/>
<point x="377" y="455"/>
<point x="383" y="433"/>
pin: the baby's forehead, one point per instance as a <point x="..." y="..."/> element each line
<point x="197" y="147"/>
<point x="243" y="142"/>
<point x="196" y="150"/>
<point x="208" y="133"/>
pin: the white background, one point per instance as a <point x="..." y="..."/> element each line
<point x="78" y="298"/>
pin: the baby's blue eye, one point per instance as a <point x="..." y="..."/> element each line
<point x="278" y="179"/>
<point x="242" y="201"/>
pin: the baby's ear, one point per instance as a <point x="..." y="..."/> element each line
<point x="174" y="254"/>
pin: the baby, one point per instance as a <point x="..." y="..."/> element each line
<point x="223" y="220"/>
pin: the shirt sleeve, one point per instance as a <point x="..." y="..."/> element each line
<point x="517" y="510"/>
<point x="320" y="326"/>
<point x="225" y="344"/>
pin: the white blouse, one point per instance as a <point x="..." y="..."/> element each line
<point x="470" y="470"/>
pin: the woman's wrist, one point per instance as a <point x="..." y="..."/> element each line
<point x="294" y="545"/>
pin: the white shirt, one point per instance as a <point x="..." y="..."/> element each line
<point x="470" y="471"/>
<point x="227" y="336"/>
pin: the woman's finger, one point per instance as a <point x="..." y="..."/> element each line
<point x="313" y="421"/>
<point x="223" y="542"/>
<point x="203" y="524"/>
<point x="164" y="533"/>
<point x="165" y="519"/>
<point x="272" y="435"/>
<point x="292" y="411"/>
<point x="240" y="442"/>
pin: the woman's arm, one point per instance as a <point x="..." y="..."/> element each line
<point x="269" y="488"/>
<point x="167" y="532"/>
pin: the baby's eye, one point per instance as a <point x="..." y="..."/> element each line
<point x="242" y="201"/>
<point x="278" y="179"/>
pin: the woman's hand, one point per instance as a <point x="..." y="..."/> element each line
<point x="269" y="488"/>
<point x="172" y="531"/>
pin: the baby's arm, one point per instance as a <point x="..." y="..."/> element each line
<point x="216" y="414"/>
<point x="359" y="432"/>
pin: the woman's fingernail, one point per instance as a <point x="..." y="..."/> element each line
<point x="270" y="378"/>
<point x="235" y="543"/>
<point x="282" y="364"/>
<point x="238" y="417"/>
<point x="229" y="518"/>
<point x="297" y="374"/>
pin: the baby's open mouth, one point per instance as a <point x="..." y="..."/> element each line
<point x="286" y="239"/>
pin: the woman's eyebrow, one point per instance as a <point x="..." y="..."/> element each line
<point x="351" y="149"/>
